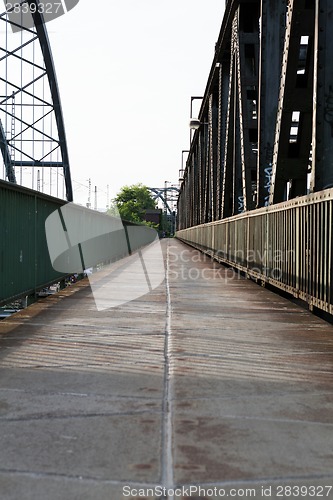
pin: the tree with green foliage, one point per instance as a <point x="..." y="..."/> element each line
<point x="132" y="203"/>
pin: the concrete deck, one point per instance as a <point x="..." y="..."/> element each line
<point x="210" y="380"/>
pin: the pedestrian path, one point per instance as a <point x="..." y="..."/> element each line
<point x="207" y="387"/>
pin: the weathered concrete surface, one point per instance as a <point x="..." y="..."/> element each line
<point x="210" y="381"/>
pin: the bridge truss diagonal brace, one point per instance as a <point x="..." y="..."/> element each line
<point x="239" y="166"/>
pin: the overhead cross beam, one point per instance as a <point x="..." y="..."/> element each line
<point x="162" y="193"/>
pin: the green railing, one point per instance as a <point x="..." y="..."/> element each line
<point x="25" y="266"/>
<point x="91" y="238"/>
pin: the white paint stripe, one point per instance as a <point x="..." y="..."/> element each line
<point x="167" y="455"/>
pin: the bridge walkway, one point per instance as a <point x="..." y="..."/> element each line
<point x="209" y="381"/>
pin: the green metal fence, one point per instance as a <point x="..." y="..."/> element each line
<point x="91" y="238"/>
<point x="288" y="245"/>
<point x="25" y="266"/>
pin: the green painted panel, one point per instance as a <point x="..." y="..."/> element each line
<point x="25" y="265"/>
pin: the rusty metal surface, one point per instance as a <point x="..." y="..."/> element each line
<point x="210" y="381"/>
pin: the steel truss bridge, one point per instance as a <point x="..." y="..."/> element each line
<point x="32" y="133"/>
<point x="166" y="195"/>
<point x="257" y="189"/>
<point x="257" y="185"/>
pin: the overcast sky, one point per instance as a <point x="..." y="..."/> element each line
<point x="126" y="71"/>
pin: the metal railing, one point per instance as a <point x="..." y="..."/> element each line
<point x="288" y="245"/>
<point x="25" y="266"/>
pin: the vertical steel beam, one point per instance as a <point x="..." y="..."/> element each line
<point x="272" y="26"/>
<point x="201" y="137"/>
<point x="213" y="143"/>
<point x="230" y="185"/>
<point x="227" y="183"/>
<point x="206" y="195"/>
<point x="194" y="162"/>
<point x="186" y="200"/>
<point x="322" y="131"/>
<point x="192" y="220"/>
<point x="189" y="194"/>
<point x="238" y="198"/>
<point x="200" y="178"/>
<point x="291" y="156"/>
<point x="241" y="123"/>
<point x="224" y="70"/>
<point x="247" y="50"/>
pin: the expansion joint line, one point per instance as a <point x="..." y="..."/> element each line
<point x="167" y="453"/>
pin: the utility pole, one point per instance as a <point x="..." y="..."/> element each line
<point x="95" y="206"/>
<point x="166" y="222"/>
<point x="89" y="193"/>
<point x="107" y="197"/>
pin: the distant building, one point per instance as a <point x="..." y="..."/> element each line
<point x="153" y="215"/>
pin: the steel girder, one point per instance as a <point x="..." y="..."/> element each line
<point x="32" y="133"/>
<point x="266" y="131"/>
<point x="162" y="193"/>
<point x="322" y="127"/>
<point x="272" y="28"/>
<point x="292" y="147"/>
